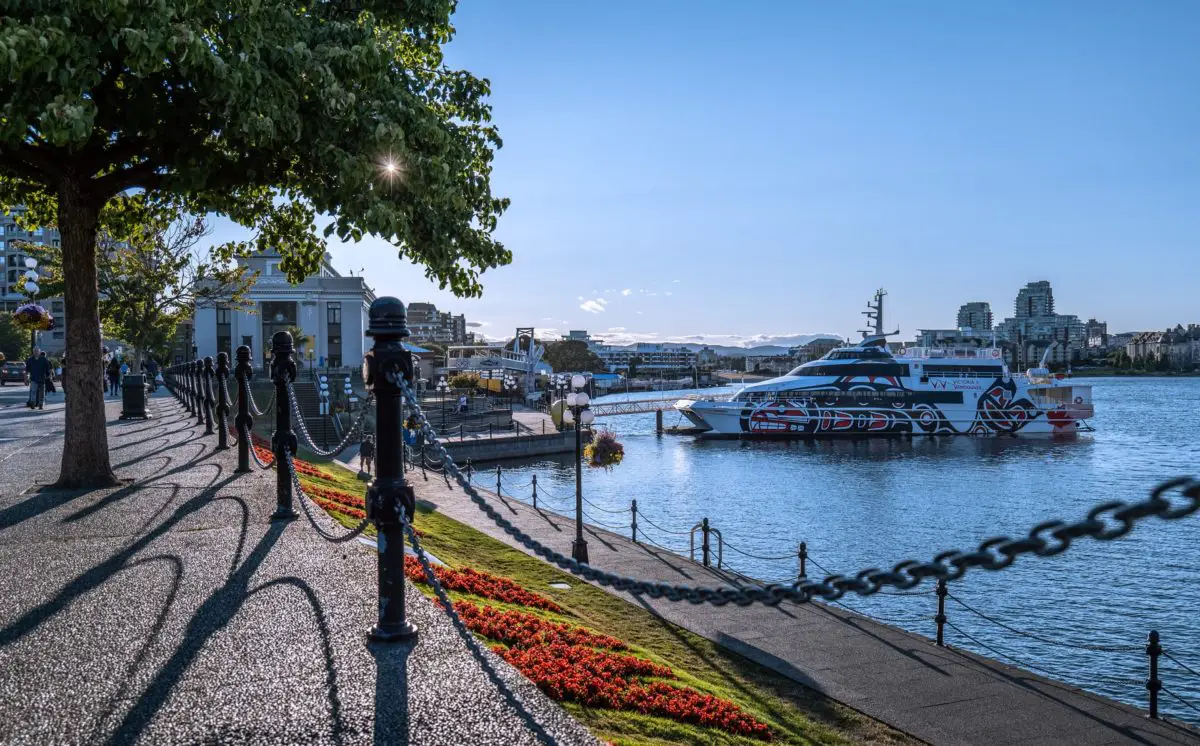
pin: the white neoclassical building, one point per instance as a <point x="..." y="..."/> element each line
<point x="329" y="308"/>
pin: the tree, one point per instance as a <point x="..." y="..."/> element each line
<point x="634" y="362"/>
<point x="154" y="274"/>
<point x="300" y="340"/>
<point x="14" y="342"/>
<point x="266" y="113"/>
<point x="572" y="355"/>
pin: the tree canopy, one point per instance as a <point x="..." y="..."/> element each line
<point x="573" y="356"/>
<point x="267" y="112"/>
<point x="154" y="273"/>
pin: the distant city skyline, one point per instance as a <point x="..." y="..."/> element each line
<point x="672" y="179"/>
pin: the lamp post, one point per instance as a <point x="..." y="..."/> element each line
<point x="31" y="287"/>
<point x="577" y="413"/>
<point x="324" y="406"/>
<point x="510" y="385"/>
<point x="443" y="388"/>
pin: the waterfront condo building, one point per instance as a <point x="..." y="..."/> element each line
<point x="976" y="315"/>
<point x="12" y="282"/>
<point x="427" y="324"/>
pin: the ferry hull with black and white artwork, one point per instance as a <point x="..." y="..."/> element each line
<point x="865" y="390"/>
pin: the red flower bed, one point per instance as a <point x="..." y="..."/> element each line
<point x="341" y="498"/>
<point x="481" y="584"/>
<point x="337" y="507"/>
<point x="521" y="630"/>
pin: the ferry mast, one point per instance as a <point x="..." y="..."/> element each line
<point x="874" y="314"/>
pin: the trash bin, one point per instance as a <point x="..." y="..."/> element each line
<point x="133" y="398"/>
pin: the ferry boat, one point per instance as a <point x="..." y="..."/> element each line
<point x="865" y="390"/>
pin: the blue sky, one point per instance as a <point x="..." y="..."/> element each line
<point x="751" y="170"/>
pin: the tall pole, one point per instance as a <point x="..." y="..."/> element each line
<point x="579" y="550"/>
<point x="389" y="494"/>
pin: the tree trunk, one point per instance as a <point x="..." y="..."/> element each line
<point x="85" y="460"/>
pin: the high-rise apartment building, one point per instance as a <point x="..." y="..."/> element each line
<point x="427" y="324"/>
<point x="1035" y="300"/>
<point x="976" y="315"/>
<point x="12" y="237"/>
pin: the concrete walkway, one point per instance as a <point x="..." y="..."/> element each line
<point x="941" y="695"/>
<point x="171" y="610"/>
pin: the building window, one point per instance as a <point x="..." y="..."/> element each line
<point x="224" y="330"/>
<point x="333" y="313"/>
<point x="58" y="335"/>
<point x="57" y="306"/>
<point x="38" y="231"/>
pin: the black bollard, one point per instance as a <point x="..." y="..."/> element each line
<point x="535" y="491"/>
<point x="941" y="615"/>
<point x="222" y="402"/>
<point x="283" y="443"/>
<point x="469" y="472"/>
<point x="244" y="423"/>
<point x="497" y="480"/>
<point x="388" y="495"/>
<point x="185" y="376"/>
<point x="209" y="400"/>
<point x="198" y="380"/>
<point x="803" y="560"/>
<point x="1153" y="684"/>
<point x="633" y="523"/>
<point x="704" y="547"/>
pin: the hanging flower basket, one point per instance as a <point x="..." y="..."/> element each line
<point x="32" y="317"/>
<point x="605" y="451"/>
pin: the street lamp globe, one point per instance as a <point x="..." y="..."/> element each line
<point x="571" y="399"/>
<point x="582" y="399"/>
<point x="586" y="417"/>
<point x="578" y="381"/>
<point x="30" y="262"/>
<point x="568" y="417"/>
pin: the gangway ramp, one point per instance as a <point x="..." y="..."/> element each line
<point x="642" y="406"/>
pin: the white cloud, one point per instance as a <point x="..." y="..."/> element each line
<point x="477" y="324"/>
<point x="639" y="313"/>
<point x="580" y="298"/>
<point x="667" y="293"/>
<point x="622" y="336"/>
<point x="651" y="295"/>
<point x="616" y="328"/>
<point x="593" y="306"/>
<point x="675" y="281"/>
<point x="626" y="291"/>
<point x="547" y="318"/>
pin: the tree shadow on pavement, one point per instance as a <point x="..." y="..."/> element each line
<point x="213" y="615"/>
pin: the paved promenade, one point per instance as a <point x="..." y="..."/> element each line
<point x="171" y="610"/>
<point x="941" y="695"/>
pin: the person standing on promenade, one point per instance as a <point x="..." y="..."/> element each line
<point x="114" y="376"/>
<point x="366" y="452"/>
<point x="37" y="368"/>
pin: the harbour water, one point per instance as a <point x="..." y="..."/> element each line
<point x="872" y="503"/>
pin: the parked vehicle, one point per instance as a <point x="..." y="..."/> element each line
<point x="12" y="371"/>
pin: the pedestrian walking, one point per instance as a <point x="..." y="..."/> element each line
<point x="37" y="368"/>
<point x="366" y="452"/>
<point x="114" y="377"/>
<point x="152" y="371"/>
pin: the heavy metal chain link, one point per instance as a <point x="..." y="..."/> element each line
<point x="304" y="500"/>
<point x="447" y="604"/>
<point x="254" y="410"/>
<point x="303" y="427"/>
<point x="254" y="453"/>
<point x="1104" y="522"/>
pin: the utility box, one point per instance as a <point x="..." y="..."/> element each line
<point x="133" y="398"/>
